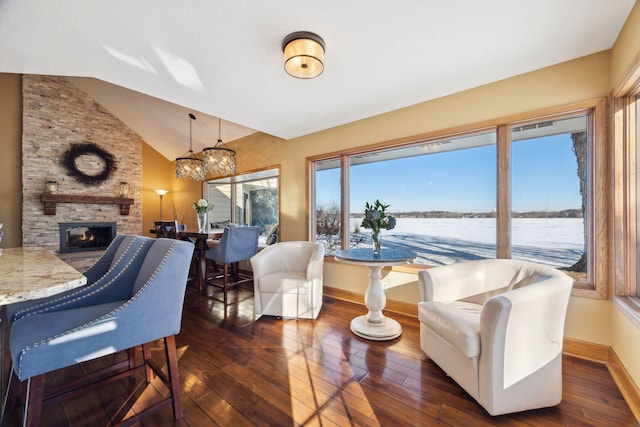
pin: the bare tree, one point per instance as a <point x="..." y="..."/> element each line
<point x="328" y="225"/>
<point x="580" y="150"/>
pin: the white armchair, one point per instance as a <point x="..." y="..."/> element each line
<point x="287" y="279"/>
<point x="496" y="327"/>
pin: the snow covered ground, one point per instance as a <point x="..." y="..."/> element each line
<point x="555" y="241"/>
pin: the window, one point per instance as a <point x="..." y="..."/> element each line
<point x="550" y="192"/>
<point x="441" y="192"/>
<point x="465" y="196"/>
<point x="248" y="199"/>
<point x="327" y="204"/>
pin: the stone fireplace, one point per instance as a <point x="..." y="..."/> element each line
<point x="55" y="115"/>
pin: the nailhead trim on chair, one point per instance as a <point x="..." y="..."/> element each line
<point x="69" y="298"/>
<point x="77" y="328"/>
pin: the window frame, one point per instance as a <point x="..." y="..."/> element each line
<point x="626" y="189"/>
<point x="598" y="256"/>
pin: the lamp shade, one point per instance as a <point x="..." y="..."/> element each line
<point x="303" y="54"/>
<point x="219" y="161"/>
<point x="190" y="167"/>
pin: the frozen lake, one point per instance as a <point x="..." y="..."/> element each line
<point x="555" y="241"/>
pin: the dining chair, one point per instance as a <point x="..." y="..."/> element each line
<point x="236" y="244"/>
<point x="131" y="310"/>
<point x="167" y="229"/>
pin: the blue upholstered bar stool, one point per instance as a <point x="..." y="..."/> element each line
<point x="237" y="244"/>
<point x="131" y="310"/>
<point x="123" y="257"/>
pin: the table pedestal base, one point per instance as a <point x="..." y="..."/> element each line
<point x="374" y="325"/>
<point x="388" y="329"/>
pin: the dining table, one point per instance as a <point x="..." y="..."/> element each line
<point x="201" y="238"/>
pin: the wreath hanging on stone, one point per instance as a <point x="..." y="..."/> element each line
<point x="75" y="151"/>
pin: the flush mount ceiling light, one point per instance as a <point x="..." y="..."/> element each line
<point x="303" y="54"/>
<point x="219" y="161"/>
<point x="189" y="166"/>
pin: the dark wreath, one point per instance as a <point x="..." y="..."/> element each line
<point x="88" y="148"/>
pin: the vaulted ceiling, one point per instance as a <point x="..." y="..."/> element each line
<point x="151" y="62"/>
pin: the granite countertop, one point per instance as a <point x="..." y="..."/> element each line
<point x="31" y="273"/>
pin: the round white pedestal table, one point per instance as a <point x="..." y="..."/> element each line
<point x="374" y="325"/>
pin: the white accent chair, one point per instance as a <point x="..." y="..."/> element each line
<point x="287" y="280"/>
<point x="496" y="327"/>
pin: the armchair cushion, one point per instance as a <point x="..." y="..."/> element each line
<point x="283" y="282"/>
<point x="456" y="322"/>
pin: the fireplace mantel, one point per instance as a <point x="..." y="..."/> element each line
<point x="51" y="200"/>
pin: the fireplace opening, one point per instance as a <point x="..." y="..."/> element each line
<point x="86" y="236"/>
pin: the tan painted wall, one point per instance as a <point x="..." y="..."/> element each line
<point x="11" y="146"/>
<point x="158" y="172"/>
<point x="626" y="50"/>
<point x="177" y="204"/>
<point x="625" y="341"/>
<point x="154" y="175"/>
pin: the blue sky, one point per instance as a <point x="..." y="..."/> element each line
<point x="544" y="177"/>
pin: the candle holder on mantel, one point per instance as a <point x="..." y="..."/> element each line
<point x="124" y="189"/>
<point x="51" y="186"/>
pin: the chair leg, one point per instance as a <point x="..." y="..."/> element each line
<point x="225" y="281"/>
<point x="172" y="363"/>
<point x="33" y="401"/>
<point x="132" y="357"/>
<point x="236" y="271"/>
<point x="11" y="397"/>
<point x="146" y="355"/>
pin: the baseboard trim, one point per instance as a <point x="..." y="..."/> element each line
<point x="584" y="350"/>
<point x="625" y="383"/>
<point x="604" y="354"/>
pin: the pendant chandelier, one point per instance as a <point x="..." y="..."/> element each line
<point x="219" y="161"/>
<point x="189" y="166"/>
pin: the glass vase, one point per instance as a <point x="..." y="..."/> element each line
<point x="202" y="222"/>
<point x="375" y="242"/>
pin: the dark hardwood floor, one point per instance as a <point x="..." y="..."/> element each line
<point x="271" y="372"/>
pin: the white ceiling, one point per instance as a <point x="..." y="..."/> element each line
<point x="151" y="62"/>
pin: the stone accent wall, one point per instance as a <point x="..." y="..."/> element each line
<point x="55" y="115"/>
